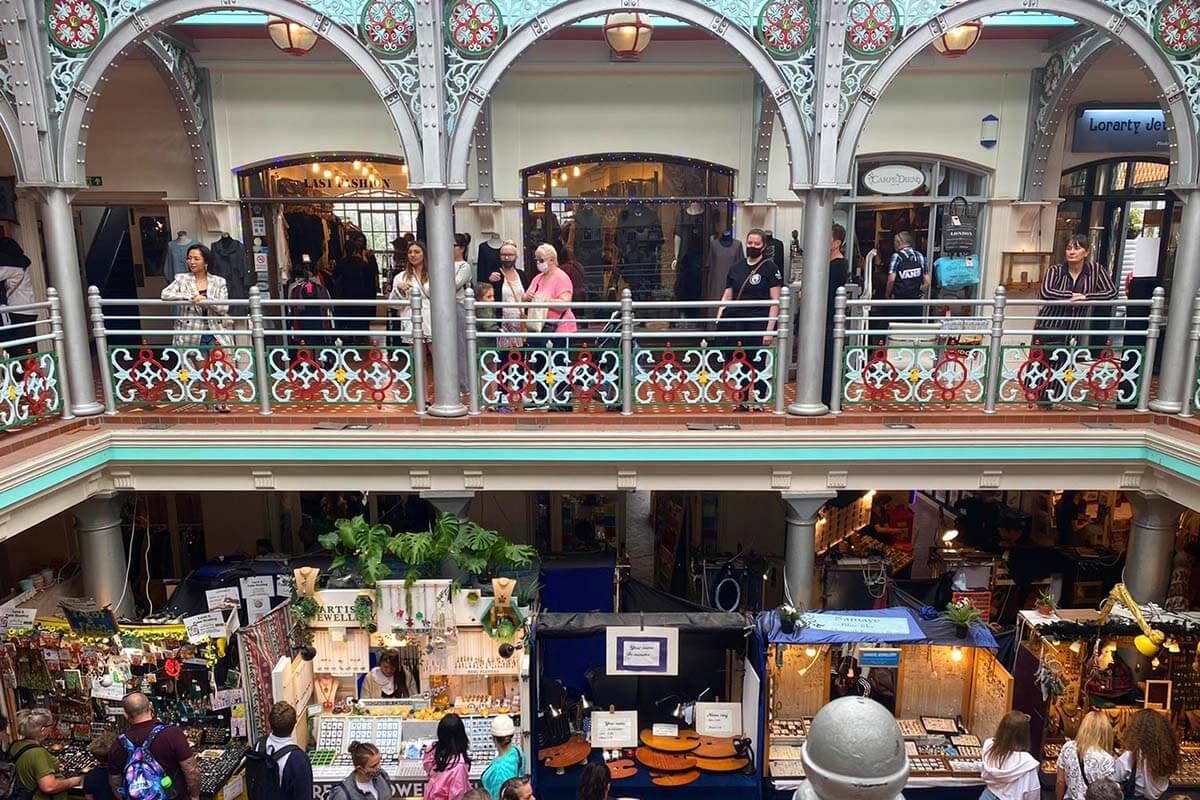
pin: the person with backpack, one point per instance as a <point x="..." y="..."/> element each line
<point x="277" y="769"/>
<point x="368" y="781"/>
<point x="151" y="760"/>
<point x="37" y="775"/>
<point x="908" y="277"/>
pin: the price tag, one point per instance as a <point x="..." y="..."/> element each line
<point x="114" y="691"/>
<point x="222" y="598"/>
<point x="258" y="586"/>
<point x="666" y="731"/>
<point x="614" y="729"/>
<point x="202" y="627"/>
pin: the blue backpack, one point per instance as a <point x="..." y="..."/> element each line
<point x="145" y="778"/>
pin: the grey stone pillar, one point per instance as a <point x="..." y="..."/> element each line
<point x="59" y="233"/>
<point x="800" y="554"/>
<point x="443" y="311"/>
<point x="1151" y="546"/>
<point x="1186" y="280"/>
<point x="456" y="503"/>
<point x="814" y="286"/>
<point x="102" y="552"/>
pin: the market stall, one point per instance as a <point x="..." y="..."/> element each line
<point x="1118" y="659"/>
<point x="79" y="663"/>
<point x="669" y="700"/>
<point x="944" y="686"/>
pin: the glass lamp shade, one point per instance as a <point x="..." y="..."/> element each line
<point x="628" y="34"/>
<point x="290" y="37"/>
<point x="958" y="40"/>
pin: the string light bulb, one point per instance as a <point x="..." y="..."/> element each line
<point x="810" y="651"/>
<point x="357" y="163"/>
<point x="328" y="174"/>
<point x="956" y="654"/>
<point x="316" y="168"/>
<point x="576" y="171"/>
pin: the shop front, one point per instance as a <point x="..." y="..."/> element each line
<point x="297" y="212"/>
<point x="657" y="225"/>
<point x="919" y="195"/>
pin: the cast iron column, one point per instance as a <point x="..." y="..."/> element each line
<point x="63" y="270"/>
<point x="102" y="551"/>
<point x="800" y="555"/>
<point x="814" y="285"/>
<point x="1151" y="546"/>
<point x="443" y="310"/>
<point x="1186" y="280"/>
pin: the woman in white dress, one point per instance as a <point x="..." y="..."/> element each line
<point x="414" y="275"/>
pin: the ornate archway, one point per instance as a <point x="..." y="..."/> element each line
<point x="183" y="78"/>
<point x="78" y="81"/>
<point x="1179" y="96"/>
<point x="785" y="81"/>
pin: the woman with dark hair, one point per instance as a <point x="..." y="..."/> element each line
<point x="463" y="275"/>
<point x="204" y="310"/>
<point x="414" y="277"/>
<point x="594" y="782"/>
<point x="446" y="761"/>
<point x="354" y="279"/>
<point x="1151" y="753"/>
<point x="368" y="781"/>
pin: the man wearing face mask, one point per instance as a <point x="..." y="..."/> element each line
<point x="752" y="278"/>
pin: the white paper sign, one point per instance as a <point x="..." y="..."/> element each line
<point x="719" y="719"/>
<point x="222" y="598"/>
<point x="642" y="651"/>
<point x="234" y="787"/>
<point x="851" y="623"/>
<point x="667" y="731"/>
<point x="203" y="627"/>
<point x="16" y="619"/>
<point x="258" y="586"/>
<point x="114" y="691"/>
<point x="614" y="729"/>
<point x="283" y="585"/>
<point x="257" y="608"/>
<point x="258" y="227"/>
<point x="1145" y="256"/>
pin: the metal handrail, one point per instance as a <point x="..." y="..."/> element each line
<point x="53" y="335"/>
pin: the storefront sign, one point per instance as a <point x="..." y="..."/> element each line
<point x="614" y="729"/>
<point x="879" y="657"/>
<point x="862" y="625"/>
<point x="1121" y="130"/>
<point x="894" y="179"/>
<point x="642" y="651"/>
<point x="719" y="719"/>
<point x="337" y="608"/>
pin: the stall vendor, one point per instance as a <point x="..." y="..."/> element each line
<point x="388" y="679"/>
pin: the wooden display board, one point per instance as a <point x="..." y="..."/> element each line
<point x="931" y="684"/>
<point x="991" y="695"/>
<point x="792" y="695"/>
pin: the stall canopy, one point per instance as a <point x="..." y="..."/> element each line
<point x="580" y="625"/>
<point x="885" y="625"/>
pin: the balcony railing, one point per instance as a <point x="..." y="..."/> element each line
<point x="32" y="380"/>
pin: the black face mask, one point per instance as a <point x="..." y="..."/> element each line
<point x="754" y="252"/>
<point x="507" y="262"/>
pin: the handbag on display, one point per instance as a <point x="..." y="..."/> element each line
<point x="958" y="227"/>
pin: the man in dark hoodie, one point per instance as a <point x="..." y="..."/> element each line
<point x="293" y="767"/>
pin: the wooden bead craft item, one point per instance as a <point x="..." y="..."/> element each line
<point x="573" y="752"/>
<point x="685" y="742"/>
<point x="674" y="778"/>
<point x="910" y="727"/>
<point x="939" y="725"/>
<point x="720" y="764"/>
<point x="622" y="768"/>
<point x="664" y="762"/>
<point x="714" y="747"/>
<point x="928" y="764"/>
<point x="965" y="740"/>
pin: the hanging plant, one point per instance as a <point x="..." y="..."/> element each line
<point x="364" y="612"/>
<point x="475" y="550"/>
<point x="304" y="611"/>
<point x="356" y="540"/>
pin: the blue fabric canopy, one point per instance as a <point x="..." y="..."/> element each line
<point x="887" y="625"/>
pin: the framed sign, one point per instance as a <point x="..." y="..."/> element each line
<point x="1158" y="695"/>
<point x="612" y="729"/>
<point x="642" y="651"/>
<point x="719" y="719"/>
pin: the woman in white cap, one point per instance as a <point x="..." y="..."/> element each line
<point x="509" y="762"/>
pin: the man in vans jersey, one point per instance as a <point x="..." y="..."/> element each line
<point x="908" y="276"/>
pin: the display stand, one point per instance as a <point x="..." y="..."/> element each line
<point x="947" y="692"/>
<point x="624" y="662"/>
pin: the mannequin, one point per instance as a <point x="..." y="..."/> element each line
<point x="776" y="252"/>
<point x="229" y="261"/>
<point x="326" y="688"/>
<point x="488" y="262"/>
<point x="640" y="239"/>
<point x="723" y="252"/>
<point x="175" y="260"/>
<point x="689" y="254"/>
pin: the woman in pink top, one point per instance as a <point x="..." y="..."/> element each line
<point x="552" y="284"/>
<point x="446" y="762"/>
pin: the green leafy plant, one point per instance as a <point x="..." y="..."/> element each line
<point x="962" y="614"/>
<point x="527" y="593"/>
<point x="363" y="542"/>
<point x="364" y="612"/>
<point x="1045" y="599"/>
<point x="472" y="548"/>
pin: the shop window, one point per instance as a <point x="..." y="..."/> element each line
<point x="1074" y="183"/>
<point x="645" y="223"/>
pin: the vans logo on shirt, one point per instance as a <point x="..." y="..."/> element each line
<point x="909" y="274"/>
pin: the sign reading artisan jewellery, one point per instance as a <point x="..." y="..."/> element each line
<point x="1120" y="130"/>
<point x="894" y="179"/>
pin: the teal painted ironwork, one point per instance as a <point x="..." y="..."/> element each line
<point x="1071" y="375"/>
<point x="543" y="377"/>
<point x="29" y="389"/>
<point x="704" y="376"/>
<point x="915" y="375"/>
<point x="179" y="375"/>
<point x="337" y="375"/>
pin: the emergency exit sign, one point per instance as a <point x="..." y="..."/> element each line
<point x="95" y="180"/>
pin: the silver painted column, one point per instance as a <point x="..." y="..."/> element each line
<point x="102" y="551"/>
<point x="64" y="276"/>
<point x="800" y="553"/>
<point x="456" y="503"/>
<point x="814" y="286"/>
<point x="1174" y="371"/>
<point x="1151" y="546"/>
<point x="443" y="311"/>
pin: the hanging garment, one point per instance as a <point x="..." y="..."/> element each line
<point x="175" y="261"/>
<point x="229" y="261"/>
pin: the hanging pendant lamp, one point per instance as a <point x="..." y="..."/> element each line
<point x="290" y="37"/>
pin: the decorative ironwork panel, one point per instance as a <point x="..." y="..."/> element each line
<point x="873" y="28"/>
<point x="916" y="375"/>
<point x="179" y="375"/>
<point x="785" y="29"/>
<point x="704" y="376"/>
<point x="550" y="376"/>
<point x="1071" y="375"/>
<point x="29" y="389"/>
<point x="340" y="375"/>
<point x="1060" y="69"/>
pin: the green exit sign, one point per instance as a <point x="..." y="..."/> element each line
<point x="95" y="180"/>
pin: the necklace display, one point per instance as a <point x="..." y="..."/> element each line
<point x="326" y="687"/>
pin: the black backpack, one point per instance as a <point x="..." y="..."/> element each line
<point x="10" y="785"/>
<point x="264" y="779"/>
